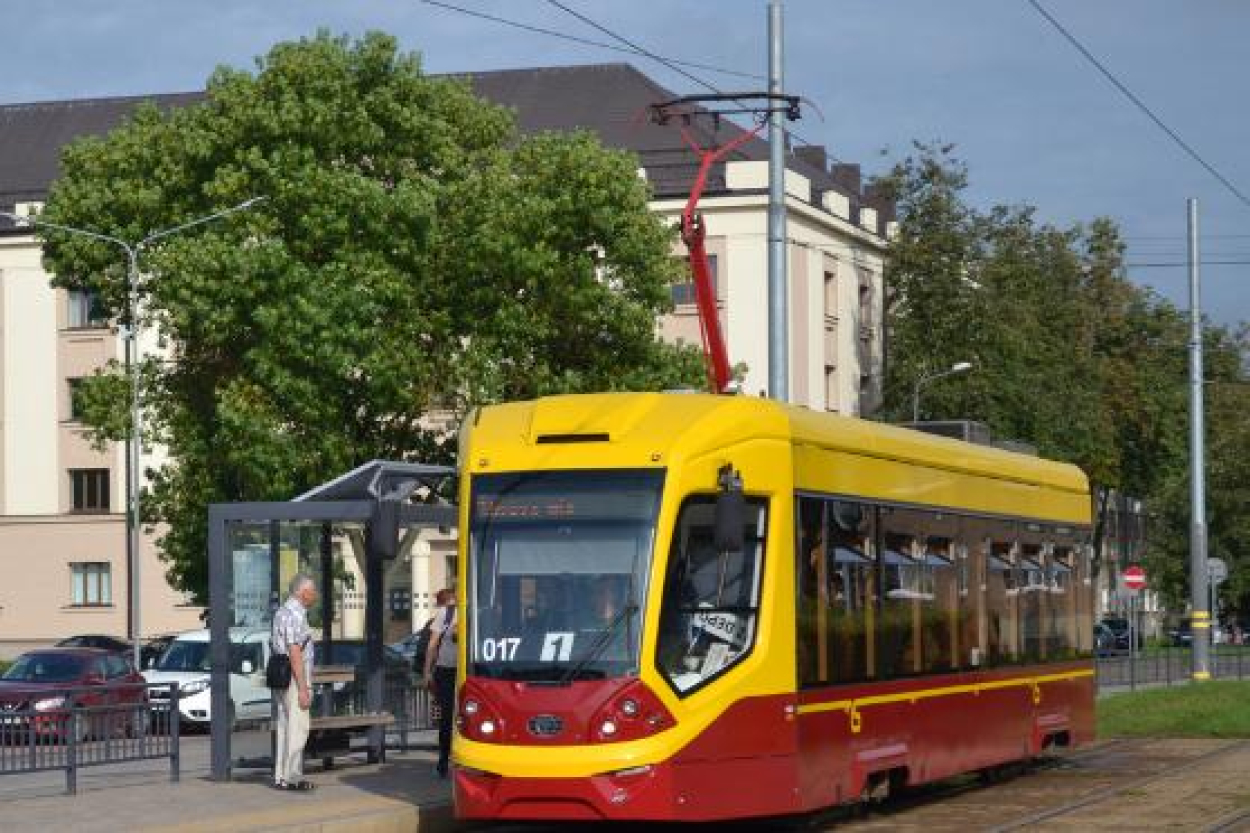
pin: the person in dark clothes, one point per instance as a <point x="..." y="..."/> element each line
<point x="440" y="673"/>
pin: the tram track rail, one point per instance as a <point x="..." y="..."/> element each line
<point x="1032" y="793"/>
<point x="1104" y="794"/>
<point x="1238" y="820"/>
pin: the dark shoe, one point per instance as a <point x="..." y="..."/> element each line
<point x="299" y="786"/>
<point x="440" y="771"/>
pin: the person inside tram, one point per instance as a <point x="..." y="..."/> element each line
<point x="607" y="597"/>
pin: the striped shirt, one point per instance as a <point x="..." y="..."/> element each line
<point x="290" y="627"/>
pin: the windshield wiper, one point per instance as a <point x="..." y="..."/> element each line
<point x="601" y="644"/>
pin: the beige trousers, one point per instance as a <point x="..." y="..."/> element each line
<point x="292" y="723"/>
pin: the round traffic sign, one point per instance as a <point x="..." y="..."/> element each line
<point x="1134" y="577"/>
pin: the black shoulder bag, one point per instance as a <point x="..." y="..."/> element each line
<point x="278" y="669"/>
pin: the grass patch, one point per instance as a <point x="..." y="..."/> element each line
<point x="1216" y="709"/>
<point x="4" y="665"/>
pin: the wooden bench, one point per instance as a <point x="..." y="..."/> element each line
<point x="331" y="734"/>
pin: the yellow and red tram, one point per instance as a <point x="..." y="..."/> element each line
<point x="696" y="607"/>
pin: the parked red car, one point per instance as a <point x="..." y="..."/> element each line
<point x="39" y="690"/>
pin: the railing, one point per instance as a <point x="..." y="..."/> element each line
<point x="1167" y="666"/>
<point x="404" y="697"/>
<point x="90" y="726"/>
<point x="411" y="703"/>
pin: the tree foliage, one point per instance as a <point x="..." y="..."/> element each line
<point x="1067" y="354"/>
<point x="414" y="254"/>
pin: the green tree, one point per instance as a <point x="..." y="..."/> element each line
<point x="1069" y="355"/>
<point x="998" y="290"/>
<point x="414" y="254"/>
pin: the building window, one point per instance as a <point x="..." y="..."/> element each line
<point x="865" y="304"/>
<point x="85" y="310"/>
<point x="831" y="296"/>
<point x="91" y="583"/>
<point x="75" y="399"/>
<point x="89" y="490"/>
<point x="683" y="293"/>
<point x="831" y="389"/>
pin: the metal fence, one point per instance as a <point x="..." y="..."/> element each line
<point x="405" y="698"/>
<point x="72" y="728"/>
<point x="1168" y="666"/>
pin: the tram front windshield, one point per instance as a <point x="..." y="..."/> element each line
<point x="558" y="566"/>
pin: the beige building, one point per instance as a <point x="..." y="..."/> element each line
<point x="834" y="300"/>
<point x="62" y="503"/>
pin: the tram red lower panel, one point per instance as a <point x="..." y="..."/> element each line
<point x="696" y="791"/>
<point x="792" y="753"/>
<point x="956" y="723"/>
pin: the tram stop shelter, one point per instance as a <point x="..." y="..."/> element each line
<point x="356" y="536"/>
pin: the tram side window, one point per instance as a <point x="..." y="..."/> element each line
<point x="809" y="551"/>
<point x="711" y="599"/>
<point x="906" y="586"/>
<point x="1032" y="603"/>
<point x="835" y="591"/>
<point x="1063" y="596"/>
<point x="849" y="596"/>
<point x="1084" y="609"/>
<point x="941" y="615"/>
<point x="1001" y="590"/>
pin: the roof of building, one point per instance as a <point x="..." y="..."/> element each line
<point x="610" y="100"/>
<point x="32" y="135"/>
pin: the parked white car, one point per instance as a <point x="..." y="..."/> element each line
<point x="186" y="662"/>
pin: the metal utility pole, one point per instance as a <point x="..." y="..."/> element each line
<point x="778" y="309"/>
<point x="1198" y="574"/>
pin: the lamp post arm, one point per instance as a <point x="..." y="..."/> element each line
<point x="924" y="380"/>
<point x="243" y="206"/>
<point x="35" y="222"/>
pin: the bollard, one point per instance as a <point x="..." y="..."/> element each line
<point x="175" y="738"/>
<point x="71" y="753"/>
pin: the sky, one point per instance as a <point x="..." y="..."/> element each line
<point x="1034" y="121"/>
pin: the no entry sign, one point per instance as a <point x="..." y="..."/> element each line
<point x="1134" y="578"/>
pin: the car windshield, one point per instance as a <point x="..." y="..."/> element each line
<point x="558" y="563"/>
<point x="46" y="668"/>
<point x="184" y="655"/>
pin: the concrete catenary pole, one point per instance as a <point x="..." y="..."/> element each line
<point x="1197" y="467"/>
<point x="778" y="315"/>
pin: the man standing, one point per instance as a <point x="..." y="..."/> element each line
<point x="440" y="673"/>
<point x="292" y="637"/>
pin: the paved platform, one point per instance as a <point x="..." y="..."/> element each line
<point x="401" y="795"/>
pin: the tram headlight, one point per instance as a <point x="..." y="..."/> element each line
<point x="487" y="727"/>
<point x="607" y="728"/>
<point x="629" y="707"/>
<point x="471" y="707"/>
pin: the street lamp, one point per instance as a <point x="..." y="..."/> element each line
<point x="959" y="367"/>
<point x="130" y="335"/>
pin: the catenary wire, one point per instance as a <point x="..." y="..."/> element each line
<point x="540" y="30"/>
<point x="1141" y="105"/>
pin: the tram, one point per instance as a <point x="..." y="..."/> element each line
<point x="697" y="607"/>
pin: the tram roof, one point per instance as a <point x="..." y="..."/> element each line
<point x="694" y="423"/>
